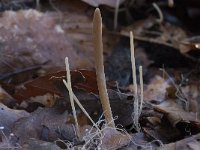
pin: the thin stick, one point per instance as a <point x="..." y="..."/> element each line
<point x="161" y="18"/>
<point x="136" y="102"/>
<point x="71" y="96"/>
<point x="116" y="14"/>
<point x="141" y="90"/>
<point x="98" y="54"/>
<point x="81" y="106"/>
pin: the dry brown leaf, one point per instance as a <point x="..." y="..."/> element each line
<point x="192" y="91"/>
<point x="114" y="139"/>
<point x="49" y="90"/>
<point x="156" y="89"/>
<point x="175" y="113"/>
<point x="36" y="39"/>
<point x="34" y="144"/>
<point x="191" y="143"/>
<point x="39" y="38"/>
<point x="5" y="98"/>
<point x="148" y="30"/>
<point x="9" y="116"/>
<point x="45" y="123"/>
<point x="50" y="86"/>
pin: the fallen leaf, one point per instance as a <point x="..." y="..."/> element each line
<point x="5" y="98"/>
<point x="186" y="122"/>
<point x="16" y="4"/>
<point x="33" y="144"/>
<point x="148" y="30"/>
<point x="185" y="144"/>
<point x="46" y="124"/>
<point x="36" y="40"/>
<point x="114" y="139"/>
<point x="9" y="116"/>
<point x="50" y="85"/>
<point x="156" y="89"/>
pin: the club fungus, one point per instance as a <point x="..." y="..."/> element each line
<point x="138" y="101"/>
<point x="71" y="96"/>
<point x="98" y="55"/>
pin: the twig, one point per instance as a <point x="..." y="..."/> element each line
<point x="116" y="14"/>
<point x="98" y="55"/>
<point x="71" y="96"/>
<point x="161" y="18"/>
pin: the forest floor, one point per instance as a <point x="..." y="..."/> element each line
<point x="36" y="109"/>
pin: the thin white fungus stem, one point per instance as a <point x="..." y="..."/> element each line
<point x="71" y="96"/>
<point x="141" y="90"/>
<point x="135" y="114"/>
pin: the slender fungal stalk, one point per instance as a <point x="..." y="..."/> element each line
<point x="98" y="54"/>
<point x="135" y="114"/>
<point x="71" y="96"/>
<point x="141" y="90"/>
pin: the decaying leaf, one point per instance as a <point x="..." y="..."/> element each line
<point x="148" y="30"/>
<point x="28" y="32"/>
<point x="33" y="144"/>
<point x="5" y="98"/>
<point x="46" y="124"/>
<point x="9" y="116"/>
<point x="50" y="90"/>
<point x="186" y="122"/>
<point x="191" y="143"/>
<point x="156" y="89"/>
<point x="50" y="86"/>
<point x="114" y="139"/>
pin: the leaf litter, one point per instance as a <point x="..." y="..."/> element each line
<point x="35" y="105"/>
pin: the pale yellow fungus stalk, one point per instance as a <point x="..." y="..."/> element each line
<point x="98" y="55"/>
